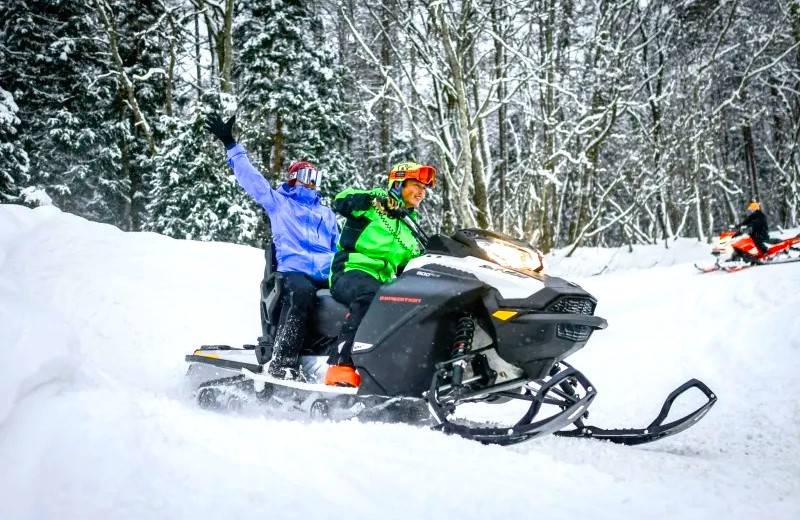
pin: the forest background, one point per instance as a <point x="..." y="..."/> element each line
<point x="561" y="122"/>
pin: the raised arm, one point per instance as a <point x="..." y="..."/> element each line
<point x="251" y="180"/>
<point x="246" y="174"/>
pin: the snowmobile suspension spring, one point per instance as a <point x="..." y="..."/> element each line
<point x="465" y="331"/>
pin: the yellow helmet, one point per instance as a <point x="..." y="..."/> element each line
<point x="754" y="206"/>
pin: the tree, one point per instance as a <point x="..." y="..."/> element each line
<point x="50" y="63"/>
<point x="289" y="90"/>
<point x="193" y="194"/>
<point x="14" y="165"/>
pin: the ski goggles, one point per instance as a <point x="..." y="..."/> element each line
<point x="306" y="176"/>
<point x="425" y="174"/>
<point x="421" y="173"/>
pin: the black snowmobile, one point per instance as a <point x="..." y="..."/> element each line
<point x="471" y="323"/>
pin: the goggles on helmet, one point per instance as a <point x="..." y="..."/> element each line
<point x="305" y="175"/>
<point x="418" y="172"/>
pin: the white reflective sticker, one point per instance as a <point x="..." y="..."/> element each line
<point x="357" y="346"/>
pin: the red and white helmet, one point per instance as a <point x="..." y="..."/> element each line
<point x="305" y="172"/>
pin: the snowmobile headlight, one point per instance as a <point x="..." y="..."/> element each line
<point x="512" y="256"/>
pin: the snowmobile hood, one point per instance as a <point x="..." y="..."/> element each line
<point x="509" y="284"/>
<point x="301" y="194"/>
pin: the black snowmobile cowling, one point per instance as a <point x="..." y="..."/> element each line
<point x="472" y="320"/>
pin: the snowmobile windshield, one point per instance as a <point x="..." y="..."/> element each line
<point x="510" y="255"/>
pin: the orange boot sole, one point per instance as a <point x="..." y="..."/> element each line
<point x="342" y="375"/>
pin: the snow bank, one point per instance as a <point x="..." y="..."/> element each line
<point x="133" y="299"/>
<point x="39" y="348"/>
<point x="94" y="324"/>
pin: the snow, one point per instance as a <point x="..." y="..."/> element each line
<point x="8" y="110"/>
<point x="96" y="420"/>
<point x="36" y="196"/>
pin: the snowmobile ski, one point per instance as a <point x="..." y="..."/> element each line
<point x="734" y="268"/>
<point x="298" y="385"/>
<point x="655" y="430"/>
<point x="709" y="269"/>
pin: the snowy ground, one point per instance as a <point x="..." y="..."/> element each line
<point x="96" y="422"/>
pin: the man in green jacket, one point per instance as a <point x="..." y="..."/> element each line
<point x="374" y="247"/>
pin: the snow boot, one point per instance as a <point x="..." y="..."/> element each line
<point x="342" y="375"/>
<point x="286" y="372"/>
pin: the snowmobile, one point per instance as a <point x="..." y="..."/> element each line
<point x="734" y="251"/>
<point x="472" y="322"/>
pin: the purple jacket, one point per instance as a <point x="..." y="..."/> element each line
<point x="303" y="230"/>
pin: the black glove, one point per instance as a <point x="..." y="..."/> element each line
<point x="398" y="213"/>
<point x="222" y="131"/>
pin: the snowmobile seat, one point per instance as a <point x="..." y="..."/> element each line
<point x="329" y="314"/>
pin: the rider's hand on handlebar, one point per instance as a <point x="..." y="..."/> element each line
<point x="377" y="203"/>
<point x="385" y="205"/>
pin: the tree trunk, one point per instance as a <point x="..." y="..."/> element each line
<point x="462" y="120"/>
<point x="226" y="56"/>
<point x="277" y="147"/>
<point x="171" y="67"/>
<point x="750" y="160"/>
<point x="110" y="27"/>
<point x="502" y="145"/>
<point x="384" y="109"/>
<point x="198" y="69"/>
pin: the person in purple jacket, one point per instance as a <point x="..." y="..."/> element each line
<point x="304" y="233"/>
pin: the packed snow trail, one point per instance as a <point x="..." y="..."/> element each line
<point x="96" y="419"/>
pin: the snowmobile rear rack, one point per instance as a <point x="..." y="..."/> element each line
<point x="655" y="430"/>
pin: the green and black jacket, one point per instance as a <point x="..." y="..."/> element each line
<point x="371" y="241"/>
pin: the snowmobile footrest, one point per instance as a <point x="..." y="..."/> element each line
<point x="222" y="363"/>
<point x="657" y="429"/>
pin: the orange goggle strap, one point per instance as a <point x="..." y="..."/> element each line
<point x="424" y="174"/>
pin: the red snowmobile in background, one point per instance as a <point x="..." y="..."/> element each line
<point x="735" y="251"/>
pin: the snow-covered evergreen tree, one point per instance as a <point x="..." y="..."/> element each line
<point x="49" y="63"/>
<point x="290" y="90"/>
<point x="194" y="195"/>
<point x="13" y="159"/>
<point x="142" y="32"/>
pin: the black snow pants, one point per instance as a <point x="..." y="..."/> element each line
<point x="356" y="289"/>
<point x="760" y="241"/>
<point x="297" y="303"/>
